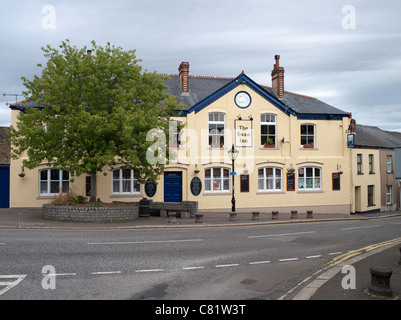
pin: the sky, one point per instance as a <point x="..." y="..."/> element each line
<point x="346" y="53"/>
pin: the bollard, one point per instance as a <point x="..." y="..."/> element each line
<point x="255" y="216"/>
<point x="199" y="217"/>
<point x="233" y="216"/>
<point x="294" y="214"/>
<point x="309" y="214"/>
<point x="275" y="215"/>
<point x="172" y="217"/>
<point x="380" y="281"/>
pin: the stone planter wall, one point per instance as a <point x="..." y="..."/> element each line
<point x="90" y="214"/>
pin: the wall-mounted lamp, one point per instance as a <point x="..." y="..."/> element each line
<point x="250" y="118"/>
<point x="196" y="169"/>
<point x="283" y="141"/>
<point x="22" y="174"/>
<point x="239" y="117"/>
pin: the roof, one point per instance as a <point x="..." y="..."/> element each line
<point x="205" y="90"/>
<point x="3" y="133"/>
<point x="202" y="90"/>
<point x="374" y="137"/>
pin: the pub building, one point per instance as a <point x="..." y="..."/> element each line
<point x="292" y="152"/>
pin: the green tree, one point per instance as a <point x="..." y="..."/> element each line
<point x="95" y="112"/>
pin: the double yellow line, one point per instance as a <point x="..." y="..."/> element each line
<point x="340" y="259"/>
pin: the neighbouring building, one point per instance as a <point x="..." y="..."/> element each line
<point x="4" y="169"/>
<point x="374" y="183"/>
<point x="293" y="152"/>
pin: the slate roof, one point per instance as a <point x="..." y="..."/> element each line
<point x="369" y="136"/>
<point x="201" y="88"/>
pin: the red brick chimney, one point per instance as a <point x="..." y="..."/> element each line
<point x="278" y="78"/>
<point x="184" y="76"/>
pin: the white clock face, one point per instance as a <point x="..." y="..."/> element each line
<point x="243" y="99"/>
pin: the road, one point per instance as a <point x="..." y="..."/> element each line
<point x="258" y="262"/>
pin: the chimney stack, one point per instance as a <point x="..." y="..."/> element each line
<point x="184" y="76"/>
<point x="278" y="78"/>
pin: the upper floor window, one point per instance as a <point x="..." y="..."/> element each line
<point x="126" y="181"/>
<point x="308" y="135"/>
<point x="389" y="163"/>
<point x="175" y="134"/>
<point x="359" y="163"/>
<point x="309" y="178"/>
<point x="54" y="181"/>
<point x="269" y="179"/>
<point x="371" y="164"/>
<point x="268" y="130"/>
<point x="216" y="129"/>
<point x="217" y="180"/>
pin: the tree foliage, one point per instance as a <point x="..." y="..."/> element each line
<point x="95" y="112"/>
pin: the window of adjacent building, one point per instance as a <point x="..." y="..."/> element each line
<point x="359" y="163"/>
<point x="308" y="135"/>
<point x="126" y="181"/>
<point x="269" y="179"/>
<point x="217" y="180"/>
<point x="389" y="163"/>
<point x="216" y="129"/>
<point x="268" y="130"/>
<point x="54" y="181"/>
<point x="389" y="194"/>
<point x="371" y="199"/>
<point x="371" y="164"/>
<point x="309" y="178"/>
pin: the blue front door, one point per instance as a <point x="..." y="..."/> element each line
<point x="4" y="187"/>
<point x="173" y="187"/>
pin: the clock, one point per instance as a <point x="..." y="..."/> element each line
<point x="243" y="99"/>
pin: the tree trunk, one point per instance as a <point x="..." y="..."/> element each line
<point x="93" y="187"/>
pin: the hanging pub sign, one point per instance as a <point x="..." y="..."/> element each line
<point x="243" y="133"/>
<point x="351" y="140"/>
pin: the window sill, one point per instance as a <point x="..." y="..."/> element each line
<point x="225" y="193"/>
<point x="271" y="192"/>
<point x="272" y="148"/>
<point x="310" y="191"/>
<point x="303" y="148"/>
<point x="126" y="195"/>
<point x="47" y="197"/>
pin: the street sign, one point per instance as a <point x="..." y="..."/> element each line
<point x="233" y="173"/>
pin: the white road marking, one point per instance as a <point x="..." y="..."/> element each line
<point x="227" y="265"/>
<point x="145" y="242"/>
<point x="260" y="262"/>
<point x="280" y="235"/>
<point x="375" y="226"/>
<point x="288" y="259"/>
<point x="106" y="272"/>
<point x="193" y="268"/>
<point x="12" y="284"/>
<point x="313" y="257"/>
<point x="335" y="253"/>
<point x="61" y="274"/>
<point x="150" y="270"/>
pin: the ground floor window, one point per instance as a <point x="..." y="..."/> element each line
<point x="309" y="178"/>
<point x="126" y="181"/>
<point x="269" y="179"/>
<point x="389" y="194"/>
<point x="371" y="190"/>
<point x="217" y="180"/>
<point x="54" y="181"/>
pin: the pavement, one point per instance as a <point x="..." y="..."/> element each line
<point x="325" y="284"/>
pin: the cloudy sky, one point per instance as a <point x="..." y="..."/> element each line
<point x="346" y="53"/>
